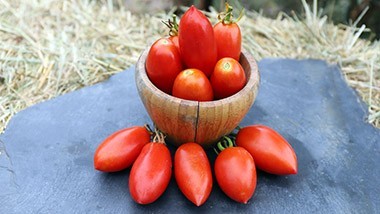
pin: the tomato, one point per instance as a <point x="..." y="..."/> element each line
<point x="119" y="150"/>
<point x="193" y="172"/>
<point x="163" y="64"/>
<point x="150" y="174"/>
<point x="174" y="39"/>
<point x="196" y="41"/>
<point x="173" y="30"/>
<point x="192" y="84"/>
<point x="228" y="40"/>
<point x="228" y="78"/>
<point x="235" y="173"/>
<point x="272" y="153"/>
<point x="228" y="35"/>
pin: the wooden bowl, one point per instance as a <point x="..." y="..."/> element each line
<point x="192" y="121"/>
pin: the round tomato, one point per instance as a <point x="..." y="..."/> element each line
<point x="272" y="153"/>
<point x="228" y="78"/>
<point x="119" y="150"/>
<point x="150" y="174"/>
<point x="196" y="41"/>
<point x="235" y="173"/>
<point x="192" y="84"/>
<point x="163" y="64"/>
<point x="193" y="172"/>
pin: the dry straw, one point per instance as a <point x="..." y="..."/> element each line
<point x="51" y="47"/>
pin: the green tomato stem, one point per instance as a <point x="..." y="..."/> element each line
<point x="230" y="143"/>
<point x="220" y="147"/>
<point x="226" y="17"/>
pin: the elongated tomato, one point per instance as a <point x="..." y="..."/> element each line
<point x="193" y="172"/>
<point x="196" y="41"/>
<point x="120" y="150"/>
<point x="227" y="34"/>
<point x="235" y="173"/>
<point x="150" y="174"/>
<point x="228" y="40"/>
<point x="271" y="152"/>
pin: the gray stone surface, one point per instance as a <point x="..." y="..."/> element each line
<point x="46" y="152"/>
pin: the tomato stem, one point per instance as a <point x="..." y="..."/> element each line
<point x="230" y="143"/>
<point x="224" y="143"/>
<point x="147" y="127"/>
<point x="220" y="147"/>
<point x="226" y="17"/>
<point x="159" y="137"/>
<point x="172" y="25"/>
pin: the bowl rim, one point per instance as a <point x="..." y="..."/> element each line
<point x="253" y="80"/>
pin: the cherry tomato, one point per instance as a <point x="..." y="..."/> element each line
<point x="119" y="150"/>
<point x="193" y="172"/>
<point x="196" y="41"/>
<point x="235" y="173"/>
<point x="163" y="64"/>
<point x="192" y="84"/>
<point x="228" y="78"/>
<point x="271" y="152"/>
<point x="150" y="174"/>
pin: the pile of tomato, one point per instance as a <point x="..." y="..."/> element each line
<point x="235" y="166"/>
<point x="198" y="61"/>
<point x="239" y="153"/>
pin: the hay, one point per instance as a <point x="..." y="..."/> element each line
<point x="50" y="47"/>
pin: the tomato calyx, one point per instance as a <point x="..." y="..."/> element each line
<point x="223" y="144"/>
<point x="226" y="17"/>
<point x="227" y="141"/>
<point x="159" y="137"/>
<point x="172" y="25"/>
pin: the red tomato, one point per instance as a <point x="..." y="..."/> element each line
<point x="235" y="173"/>
<point x="197" y="42"/>
<point x="173" y="30"/>
<point x="193" y="172"/>
<point x="228" y="40"/>
<point x="228" y="78"/>
<point x="150" y="174"/>
<point x="119" y="150"/>
<point x="192" y="84"/>
<point x="227" y="34"/>
<point x="272" y="153"/>
<point x="163" y="64"/>
<point x="174" y="39"/>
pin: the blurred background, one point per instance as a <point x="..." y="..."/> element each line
<point x="52" y="47"/>
<point x="338" y="11"/>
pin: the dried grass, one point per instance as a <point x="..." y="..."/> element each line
<point x="51" y="47"/>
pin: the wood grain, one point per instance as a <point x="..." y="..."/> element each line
<point x="191" y="121"/>
<point x="177" y="118"/>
